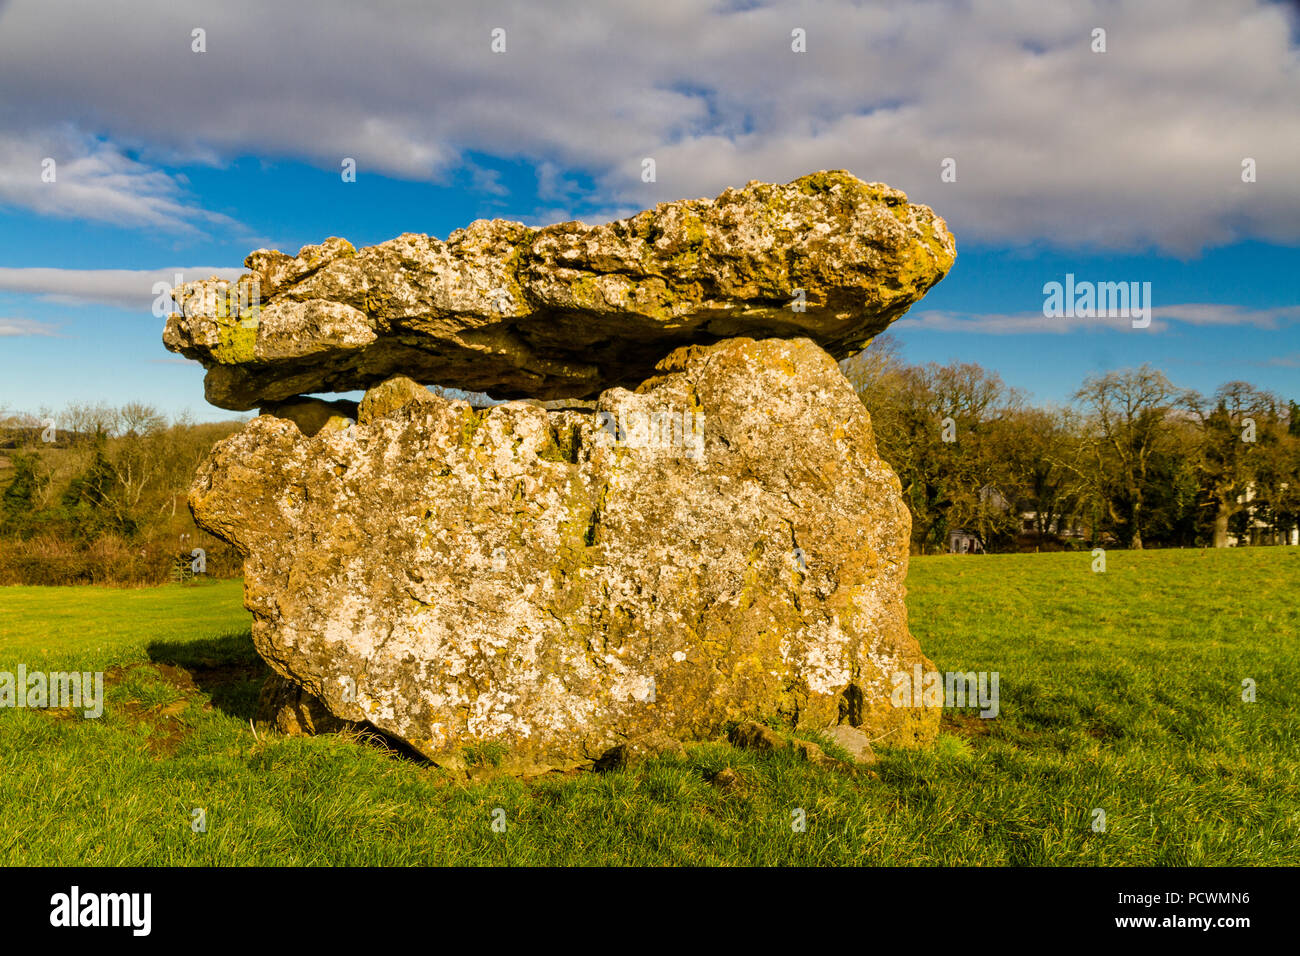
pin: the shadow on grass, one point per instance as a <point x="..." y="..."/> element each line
<point x="229" y="670"/>
<point x="226" y="668"/>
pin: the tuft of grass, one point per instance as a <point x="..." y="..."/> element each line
<point x="952" y="747"/>
<point x="487" y="754"/>
<point x="1119" y="691"/>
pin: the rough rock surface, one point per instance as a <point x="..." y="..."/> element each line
<point x="294" y="712"/>
<point x="752" y="735"/>
<point x="853" y="741"/>
<point x="720" y="545"/>
<point x="570" y="309"/>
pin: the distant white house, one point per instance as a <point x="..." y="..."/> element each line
<point x="1258" y="530"/>
<point x="961" y="541"/>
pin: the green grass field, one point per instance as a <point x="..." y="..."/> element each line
<point x="1120" y="691"/>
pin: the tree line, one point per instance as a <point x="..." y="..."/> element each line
<point x="96" y="493"/>
<point x="1132" y="461"/>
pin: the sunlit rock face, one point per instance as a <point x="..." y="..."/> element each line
<point x="568" y="310"/>
<point x="719" y="544"/>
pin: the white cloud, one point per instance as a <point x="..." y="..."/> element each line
<point x="1017" y="323"/>
<point x="58" y="172"/>
<point x="1216" y="314"/>
<point x="17" y="328"/>
<point x="119" y="288"/>
<point x="1162" y="318"/>
<point x="1054" y="143"/>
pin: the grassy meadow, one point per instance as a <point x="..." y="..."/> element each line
<point x="1120" y="691"/>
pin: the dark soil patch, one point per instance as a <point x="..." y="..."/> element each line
<point x="227" y="669"/>
<point x="165" y="723"/>
<point x="966" y="726"/>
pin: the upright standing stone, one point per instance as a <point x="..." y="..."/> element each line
<point x="721" y="544"/>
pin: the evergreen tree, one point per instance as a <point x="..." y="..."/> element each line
<point x="18" y="504"/>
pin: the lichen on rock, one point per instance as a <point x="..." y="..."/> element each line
<point x="679" y="527"/>
<point x="568" y="310"/>
<point x="720" y="544"/>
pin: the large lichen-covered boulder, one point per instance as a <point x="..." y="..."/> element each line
<point x="568" y="310"/>
<point x="721" y="544"/>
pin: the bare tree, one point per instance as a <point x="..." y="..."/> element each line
<point x="1130" y="413"/>
<point x="85" y="422"/>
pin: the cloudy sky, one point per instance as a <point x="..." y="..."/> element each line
<point x="1117" y="166"/>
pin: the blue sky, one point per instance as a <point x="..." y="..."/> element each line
<point x="1115" y="166"/>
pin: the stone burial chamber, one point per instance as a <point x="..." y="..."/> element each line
<point x="709" y="538"/>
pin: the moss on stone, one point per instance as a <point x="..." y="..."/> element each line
<point x="588" y="293"/>
<point x="824" y="182"/>
<point x="470" y="422"/>
<point x="588" y="305"/>
<point x="376" y="303"/>
<point x="563" y="445"/>
<point x="236" y="343"/>
<point x="694" y="234"/>
<point x="920" y="268"/>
